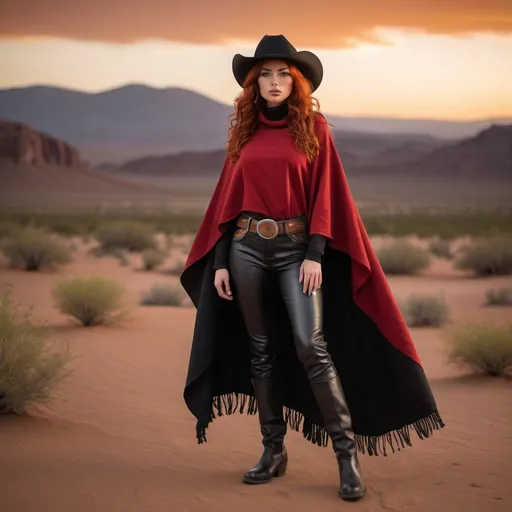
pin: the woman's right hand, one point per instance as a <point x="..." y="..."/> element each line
<point x="221" y="283"/>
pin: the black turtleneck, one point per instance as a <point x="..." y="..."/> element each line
<point x="316" y="246"/>
<point x="276" y="113"/>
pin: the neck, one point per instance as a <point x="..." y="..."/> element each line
<point x="276" y="112"/>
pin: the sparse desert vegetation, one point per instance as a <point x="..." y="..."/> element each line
<point x="487" y="257"/>
<point x="499" y="296"/>
<point x="425" y="310"/>
<point x="126" y="372"/>
<point x="91" y="301"/>
<point x="30" y="368"/>
<point x="401" y="257"/>
<point x="163" y="294"/>
<point x="34" y="249"/>
<point x="484" y="347"/>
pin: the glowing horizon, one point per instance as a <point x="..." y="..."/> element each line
<point x="394" y="73"/>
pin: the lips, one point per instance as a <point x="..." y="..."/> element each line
<point x="275" y="91"/>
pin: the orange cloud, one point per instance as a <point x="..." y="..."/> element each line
<point x="311" y="23"/>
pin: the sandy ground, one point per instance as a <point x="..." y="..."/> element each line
<point x="118" y="436"/>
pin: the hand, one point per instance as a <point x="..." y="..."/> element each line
<point x="221" y="283"/>
<point x="311" y="274"/>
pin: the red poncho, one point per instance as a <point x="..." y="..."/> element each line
<point x="369" y="342"/>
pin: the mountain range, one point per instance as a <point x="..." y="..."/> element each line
<point x="136" y="120"/>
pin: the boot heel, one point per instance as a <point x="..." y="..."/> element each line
<point x="281" y="470"/>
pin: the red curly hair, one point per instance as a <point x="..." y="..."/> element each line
<point x="301" y="114"/>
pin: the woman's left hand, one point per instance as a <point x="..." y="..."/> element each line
<point x="311" y="274"/>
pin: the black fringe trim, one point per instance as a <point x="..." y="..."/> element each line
<point x="372" y="445"/>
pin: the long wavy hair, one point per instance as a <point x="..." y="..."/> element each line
<point x="301" y="114"/>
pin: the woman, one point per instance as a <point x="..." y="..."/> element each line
<point x="293" y="309"/>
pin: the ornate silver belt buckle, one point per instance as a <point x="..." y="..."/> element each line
<point x="267" y="228"/>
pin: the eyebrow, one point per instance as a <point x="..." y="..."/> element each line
<point x="268" y="69"/>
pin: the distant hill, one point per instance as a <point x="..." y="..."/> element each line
<point x="135" y="120"/>
<point x="33" y="162"/>
<point x="488" y="155"/>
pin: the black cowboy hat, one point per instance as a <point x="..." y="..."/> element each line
<point x="278" y="47"/>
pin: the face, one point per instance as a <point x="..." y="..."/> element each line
<point x="275" y="82"/>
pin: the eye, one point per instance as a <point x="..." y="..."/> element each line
<point x="264" y="73"/>
<point x="286" y="73"/>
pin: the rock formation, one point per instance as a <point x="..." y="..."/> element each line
<point x="21" y="144"/>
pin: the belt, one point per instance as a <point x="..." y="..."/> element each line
<point x="270" y="228"/>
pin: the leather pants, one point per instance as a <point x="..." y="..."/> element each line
<point x="254" y="261"/>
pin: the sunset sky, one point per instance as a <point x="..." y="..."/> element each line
<point x="449" y="59"/>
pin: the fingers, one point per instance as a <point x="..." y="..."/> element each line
<point x="312" y="282"/>
<point x="224" y="290"/>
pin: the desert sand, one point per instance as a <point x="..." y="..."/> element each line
<point x="117" y="435"/>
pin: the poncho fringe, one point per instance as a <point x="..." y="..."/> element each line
<point x="396" y="440"/>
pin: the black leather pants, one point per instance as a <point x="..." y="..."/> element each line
<point x="253" y="262"/>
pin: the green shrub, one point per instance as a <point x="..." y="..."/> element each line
<point x="441" y="248"/>
<point x="33" y="248"/>
<point x="29" y="370"/>
<point x="90" y="300"/>
<point x="162" y="294"/>
<point x="402" y="258"/>
<point x="425" y="311"/>
<point x="152" y="258"/>
<point x="483" y="347"/>
<point x="487" y="257"/>
<point x="130" y="235"/>
<point x="499" y="297"/>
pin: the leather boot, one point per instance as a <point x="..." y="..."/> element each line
<point x="274" y="459"/>
<point x="338" y="423"/>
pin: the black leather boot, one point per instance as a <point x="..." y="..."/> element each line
<point x="274" y="459"/>
<point x="333" y="407"/>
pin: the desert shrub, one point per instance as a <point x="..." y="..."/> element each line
<point x="90" y="300"/>
<point x="499" y="297"/>
<point x="29" y="368"/>
<point x="425" y="311"/>
<point x="7" y="229"/>
<point x="152" y="258"/>
<point x="491" y="256"/>
<point x="33" y="248"/>
<point x="177" y="269"/>
<point x="130" y="235"/>
<point x="483" y="347"/>
<point x="116" y="252"/>
<point x="441" y="248"/>
<point x="163" y="294"/>
<point x="402" y="257"/>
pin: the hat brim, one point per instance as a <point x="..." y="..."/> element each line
<point x="307" y="63"/>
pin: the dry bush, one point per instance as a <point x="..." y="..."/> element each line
<point x="162" y="294"/>
<point x="116" y="252"/>
<point x="441" y="248"/>
<point x="177" y="269"/>
<point x="130" y="235"/>
<point x="402" y="258"/>
<point x="152" y="258"/>
<point x="425" y="311"/>
<point x="483" y="347"/>
<point x="7" y="229"/>
<point x="34" y="248"/>
<point x="487" y="257"/>
<point x="90" y="300"/>
<point x="29" y="369"/>
<point x="499" y="297"/>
